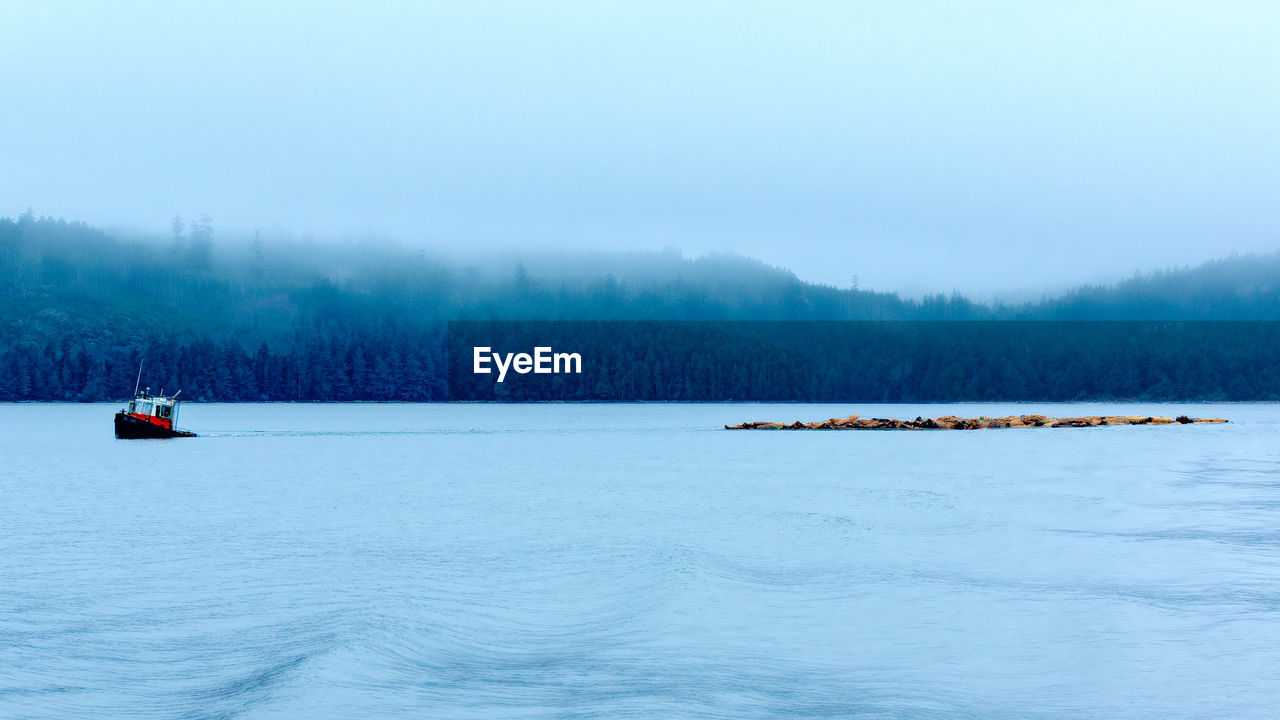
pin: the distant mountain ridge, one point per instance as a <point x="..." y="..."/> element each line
<point x="54" y="270"/>
<point x="1239" y="287"/>
<point x="307" y="321"/>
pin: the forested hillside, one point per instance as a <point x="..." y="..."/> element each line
<point x="1240" y="287"/>
<point x="271" y="319"/>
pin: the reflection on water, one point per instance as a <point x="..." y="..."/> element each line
<point x="634" y="560"/>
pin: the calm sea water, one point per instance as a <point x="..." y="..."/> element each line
<point x="484" y="561"/>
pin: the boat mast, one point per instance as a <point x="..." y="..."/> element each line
<point x="138" y="382"/>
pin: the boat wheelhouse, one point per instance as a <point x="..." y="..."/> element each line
<point x="150" y="416"/>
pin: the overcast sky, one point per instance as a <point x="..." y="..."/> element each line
<point x="981" y="146"/>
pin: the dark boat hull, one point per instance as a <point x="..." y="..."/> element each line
<point x="130" y="428"/>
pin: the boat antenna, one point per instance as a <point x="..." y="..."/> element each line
<point x="138" y="382"/>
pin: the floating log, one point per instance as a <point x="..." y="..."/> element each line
<point x="951" y="422"/>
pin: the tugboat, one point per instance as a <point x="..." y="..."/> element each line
<point x="150" y="416"/>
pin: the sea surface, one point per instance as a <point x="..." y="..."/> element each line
<point x="637" y="561"/>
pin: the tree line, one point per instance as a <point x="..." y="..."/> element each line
<point x="880" y="361"/>
<point x="333" y="366"/>
<point x="280" y="319"/>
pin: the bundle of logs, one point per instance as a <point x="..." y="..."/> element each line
<point x="951" y="422"/>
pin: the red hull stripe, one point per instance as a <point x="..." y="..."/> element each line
<point x="166" y="424"/>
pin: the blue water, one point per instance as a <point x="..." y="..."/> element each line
<point x="555" y="561"/>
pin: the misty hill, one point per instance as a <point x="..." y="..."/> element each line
<point x="64" y="279"/>
<point x="1240" y="287"/>
<point x="283" y="319"/>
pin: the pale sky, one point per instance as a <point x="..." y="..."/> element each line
<point x="979" y="146"/>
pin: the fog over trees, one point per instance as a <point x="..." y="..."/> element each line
<point x="268" y="318"/>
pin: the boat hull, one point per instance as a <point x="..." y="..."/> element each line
<point x="131" y="428"/>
